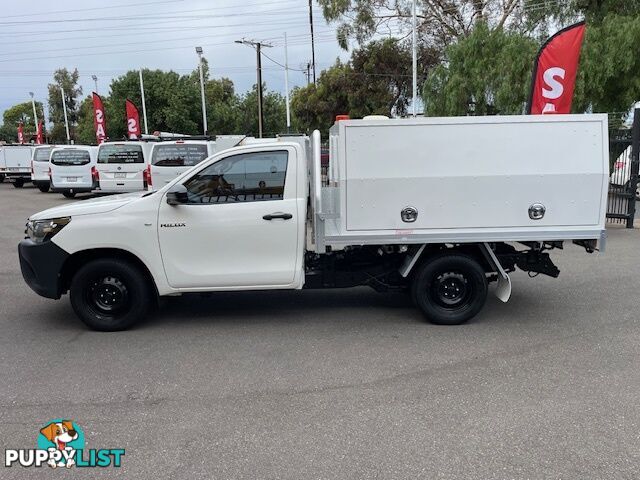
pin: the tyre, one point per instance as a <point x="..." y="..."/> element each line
<point x="69" y="194"/>
<point x="110" y="295"/>
<point x="43" y="187"/>
<point x="1" y="177"/>
<point x="18" y="183"/>
<point x="450" y="289"/>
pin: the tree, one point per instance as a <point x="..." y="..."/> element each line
<point x="376" y="80"/>
<point x="72" y="92"/>
<point x="487" y="72"/>
<point x="274" y="113"/>
<point x="85" y="132"/>
<point x="23" y="112"/>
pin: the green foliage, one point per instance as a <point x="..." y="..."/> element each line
<point x="609" y="72"/>
<point x="72" y="92"/>
<point x="376" y="80"/>
<point x="488" y="72"/>
<point x="8" y="132"/>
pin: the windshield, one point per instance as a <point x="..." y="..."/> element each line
<point x="42" y="154"/>
<point x="120" y="154"/>
<point x="178" y="155"/>
<point x="70" y="157"/>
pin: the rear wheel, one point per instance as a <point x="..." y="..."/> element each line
<point x="43" y="187"/>
<point x="110" y="295"/>
<point x="69" y="194"/>
<point x="1" y="177"/>
<point x="18" y="183"/>
<point x="450" y="289"/>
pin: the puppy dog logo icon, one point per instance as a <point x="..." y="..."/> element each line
<point x="62" y="436"/>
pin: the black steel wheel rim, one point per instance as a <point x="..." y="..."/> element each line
<point x="108" y="295"/>
<point x="451" y="290"/>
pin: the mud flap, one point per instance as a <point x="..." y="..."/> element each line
<point x="503" y="289"/>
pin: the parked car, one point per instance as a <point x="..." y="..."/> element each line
<point x="40" y="167"/>
<point x="73" y="169"/>
<point x="405" y="207"/>
<point x="17" y="163"/>
<point x="121" y="166"/>
<point x="171" y="159"/>
<point x="621" y="174"/>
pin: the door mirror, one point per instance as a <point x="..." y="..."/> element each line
<point x="177" y="195"/>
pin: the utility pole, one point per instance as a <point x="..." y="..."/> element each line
<point x="66" y="120"/>
<point x="144" y="104"/>
<point x="204" y="105"/>
<point x="313" y="46"/>
<point x="95" y="81"/>
<point x="258" y="46"/>
<point x="286" y="82"/>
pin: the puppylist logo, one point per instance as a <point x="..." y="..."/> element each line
<point x="61" y="444"/>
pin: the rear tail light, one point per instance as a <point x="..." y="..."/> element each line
<point x="95" y="176"/>
<point x="49" y="173"/>
<point x="146" y="177"/>
<point x="31" y="166"/>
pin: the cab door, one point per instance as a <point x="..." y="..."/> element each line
<point x="240" y="227"/>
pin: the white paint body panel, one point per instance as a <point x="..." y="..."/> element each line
<point x="470" y="178"/>
<point x="131" y="174"/>
<point x="73" y="177"/>
<point x="16" y="159"/>
<point x="163" y="175"/>
<point x="40" y="168"/>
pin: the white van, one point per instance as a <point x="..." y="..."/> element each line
<point x="73" y="170"/>
<point x="171" y="159"/>
<point x="17" y="162"/>
<point x="121" y="166"/>
<point x="40" y="167"/>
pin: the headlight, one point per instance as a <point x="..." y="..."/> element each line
<point x="42" y="230"/>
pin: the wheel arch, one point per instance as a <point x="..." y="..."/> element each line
<point x="80" y="258"/>
<point x="473" y="250"/>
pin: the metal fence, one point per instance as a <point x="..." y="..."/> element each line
<point x="624" y="154"/>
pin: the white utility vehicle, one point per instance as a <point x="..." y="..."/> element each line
<point x="121" y="166"/>
<point x="40" y="167"/>
<point x="16" y="160"/>
<point x="73" y="170"/>
<point x="171" y="159"/>
<point x="438" y="207"/>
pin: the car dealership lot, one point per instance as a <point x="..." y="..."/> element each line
<point x="336" y="384"/>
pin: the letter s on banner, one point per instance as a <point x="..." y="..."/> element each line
<point x="99" y="120"/>
<point x="133" y="120"/>
<point x="554" y="73"/>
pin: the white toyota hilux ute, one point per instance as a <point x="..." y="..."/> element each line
<point x="403" y="206"/>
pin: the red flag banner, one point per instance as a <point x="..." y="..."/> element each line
<point x="20" y="133"/>
<point x="554" y="73"/>
<point x="133" y="120"/>
<point x="99" y="119"/>
<point x="39" y="134"/>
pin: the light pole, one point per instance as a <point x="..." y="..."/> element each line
<point x="204" y="106"/>
<point x="66" y="120"/>
<point x="35" y="114"/>
<point x="257" y="46"/>
<point x="144" y="104"/>
<point x="414" y="50"/>
<point x="95" y="81"/>
<point x="286" y="81"/>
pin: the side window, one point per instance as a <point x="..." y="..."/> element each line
<point x="248" y="177"/>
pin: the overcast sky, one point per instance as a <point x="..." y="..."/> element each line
<point x="108" y="37"/>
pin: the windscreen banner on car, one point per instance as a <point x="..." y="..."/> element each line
<point x="120" y="154"/>
<point x="178" y="155"/>
<point x="70" y="157"/>
<point x="42" y="154"/>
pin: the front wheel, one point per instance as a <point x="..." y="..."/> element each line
<point x="43" y="187"/>
<point x="450" y="289"/>
<point x="69" y="194"/>
<point x="110" y="295"/>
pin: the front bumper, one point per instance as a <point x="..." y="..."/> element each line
<point x="41" y="265"/>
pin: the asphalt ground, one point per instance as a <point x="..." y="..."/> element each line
<point x="335" y="384"/>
